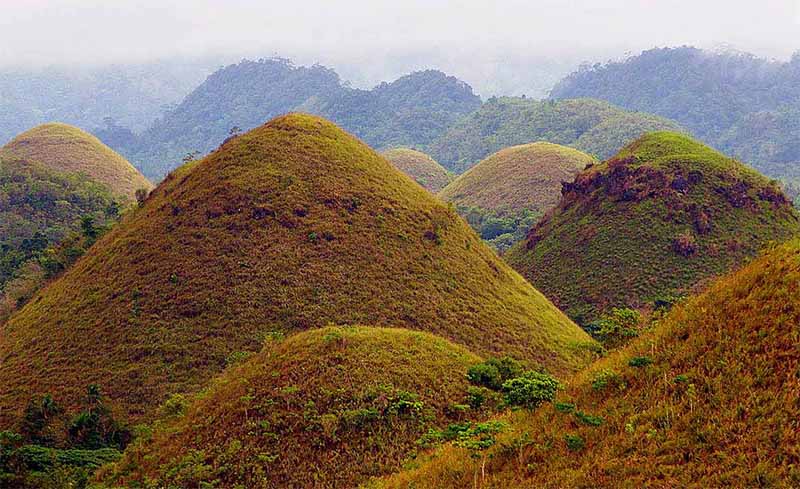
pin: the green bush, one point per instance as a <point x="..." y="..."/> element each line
<point x="640" y="361"/>
<point x="574" y="442"/>
<point x="493" y="372"/>
<point x="530" y="390"/>
<point x="588" y="419"/>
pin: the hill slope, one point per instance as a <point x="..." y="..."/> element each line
<point x="291" y="226"/>
<point x="734" y="101"/>
<point x="65" y="148"/>
<point x="420" y="167"/>
<point x="332" y="407"/>
<point x="525" y="177"/>
<point x="588" y="125"/>
<point x="410" y="111"/>
<point x="708" y="399"/>
<point x="662" y="215"/>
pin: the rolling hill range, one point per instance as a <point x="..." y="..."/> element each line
<point x="67" y="149"/>
<point x="410" y="111"/>
<point x="292" y="226"/>
<point x="707" y="399"/>
<point x="662" y="215"/>
<point x="420" y="167"/>
<point x="502" y="196"/>
<point x="324" y="408"/>
<point x="744" y="105"/>
<point x="588" y="125"/>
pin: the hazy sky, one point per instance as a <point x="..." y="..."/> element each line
<point x="375" y="33"/>
<point x="58" y="31"/>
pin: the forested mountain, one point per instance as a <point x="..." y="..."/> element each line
<point x="410" y="111"/>
<point x="592" y="126"/>
<point x="126" y="96"/>
<point x="741" y="104"/>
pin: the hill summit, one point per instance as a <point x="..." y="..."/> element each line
<point x="662" y="215"/>
<point x="291" y="226"/>
<point x="67" y="149"/>
<point x="420" y="167"/>
<point x="709" y="398"/>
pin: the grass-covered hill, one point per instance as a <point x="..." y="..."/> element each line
<point x="503" y="196"/>
<point x="291" y="226"/>
<point x="661" y="216"/>
<point x="744" y="105"/>
<point x="420" y="167"/>
<point x="39" y="208"/>
<point x="592" y="126"/>
<point x="67" y="149"/>
<point x="709" y="398"/>
<point x="525" y="177"/>
<point x="324" y="408"/>
<point x="410" y="111"/>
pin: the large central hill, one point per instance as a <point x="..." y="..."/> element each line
<point x="410" y="111"/>
<point x="592" y="126"/>
<point x="67" y="149"/>
<point x="662" y="215"/>
<point x="708" y="399"/>
<point x="291" y="226"/>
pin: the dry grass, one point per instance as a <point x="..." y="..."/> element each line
<point x="291" y="226"/>
<point x="68" y="149"/>
<point x="713" y="402"/>
<point x="420" y="167"/>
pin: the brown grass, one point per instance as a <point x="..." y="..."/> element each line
<point x="420" y="167"/>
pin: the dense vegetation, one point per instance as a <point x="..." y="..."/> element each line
<point x="47" y="219"/>
<point x="291" y="226"/>
<point x="420" y="167"/>
<point x="502" y="194"/>
<point x="324" y="408"/>
<point x="708" y="398"/>
<point x="743" y="105"/>
<point x="65" y="148"/>
<point x="410" y="111"/>
<point x="662" y="215"/>
<point x="592" y="126"/>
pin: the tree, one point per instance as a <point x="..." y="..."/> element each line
<point x="530" y="390"/>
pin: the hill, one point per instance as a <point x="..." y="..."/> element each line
<point x="291" y="226"/>
<point x="707" y="399"/>
<point x="662" y="215"/>
<point x="65" y="148"/>
<point x="503" y="195"/>
<point x="734" y="101"/>
<point x="420" y="167"/>
<point x="588" y="125"/>
<point x="410" y="111"/>
<point x="323" y="408"/>
<point x="39" y="209"/>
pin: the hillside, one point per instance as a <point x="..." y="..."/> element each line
<point x="420" y="167"/>
<point x="707" y="399"/>
<point x="410" y="111"/>
<point x="734" y="101"/>
<point x="331" y="407"/>
<point x="291" y="226"/>
<point x="659" y="217"/>
<point x="39" y="208"/>
<point x="503" y="196"/>
<point x="588" y="125"/>
<point x="67" y="149"/>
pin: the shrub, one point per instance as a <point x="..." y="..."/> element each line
<point x="640" y="361"/>
<point x="617" y="327"/>
<point x="530" y="390"/>
<point x="493" y="372"/>
<point x="588" y="419"/>
<point x="565" y="407"/>
<point x="607" y="378"/>
<point x="574" y="442"/>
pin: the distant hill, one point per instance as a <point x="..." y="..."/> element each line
<point x="503" y="195"/>
<point x="707" y="399"/>
<point x="289" y="227"/>
<point x="591" y="126"/>
<point x="65" y="148"/>
<point x="410" y="111"/>
<point x="744" y="105"/>
<point x="420" y="167"/>
<point x="331" y="408"/>
<point x="662" y="215"/>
